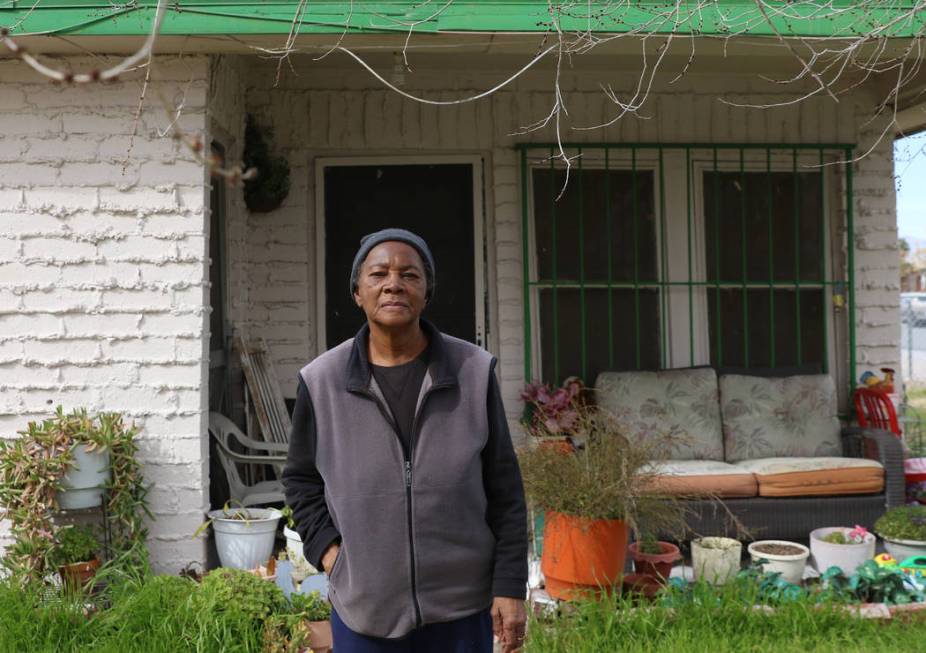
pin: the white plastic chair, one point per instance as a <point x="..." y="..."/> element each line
<point x="225" y="432"/>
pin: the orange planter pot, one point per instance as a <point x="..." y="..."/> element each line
<point x="582" y="556"/>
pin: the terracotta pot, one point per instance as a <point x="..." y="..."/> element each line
<point x="657" y="565"/>
<point x="76" y="576"/>
<point x="582" y="556"/>
<point x="320" y="640"/>
<point x="561" y="445"/>
<point x="642" y="585"/>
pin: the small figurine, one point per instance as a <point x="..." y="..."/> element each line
<point x="886" y="560"/>
<point x="888" y="383"/>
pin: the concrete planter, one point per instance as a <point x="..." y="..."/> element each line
<point x="716" y="560"/>
<point x="848" y="557"/>
<point x="790" y="566"/>
<point x="83" y="485"/>
<point x="244" y="543"/>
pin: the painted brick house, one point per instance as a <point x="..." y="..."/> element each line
<point x="694" y="232"/>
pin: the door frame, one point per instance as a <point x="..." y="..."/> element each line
<point x="479" y="262"/>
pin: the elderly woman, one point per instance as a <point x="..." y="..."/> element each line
<point x="401" y="475"/>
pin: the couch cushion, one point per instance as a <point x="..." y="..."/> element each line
<point x="682" y="404"/>
<point x="795" y="477"/>
<point x="792" y="416"/>
<point x="704" y="477"/>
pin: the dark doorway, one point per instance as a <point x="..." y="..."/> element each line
<point x="435" y="202"/>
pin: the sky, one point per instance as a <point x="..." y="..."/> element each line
<point x="910" y="171"/>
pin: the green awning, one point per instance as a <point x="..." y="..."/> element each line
<point x="836" y="18"/>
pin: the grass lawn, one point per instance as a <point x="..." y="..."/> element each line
<point x="730" y="626"/>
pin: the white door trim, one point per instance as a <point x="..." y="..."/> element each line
<point x="479" y="264"/>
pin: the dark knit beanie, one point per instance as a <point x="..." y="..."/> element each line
<point x="370" y="241"/>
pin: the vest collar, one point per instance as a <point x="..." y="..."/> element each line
<point x="358" y="364"/>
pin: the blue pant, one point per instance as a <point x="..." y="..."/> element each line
<point x="471" y="634"/>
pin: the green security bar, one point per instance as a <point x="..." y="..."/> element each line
<point x="800" y="18"/>
<point x="711" y="283"/>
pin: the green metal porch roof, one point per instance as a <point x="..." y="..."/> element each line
<point x="808" y="18"/>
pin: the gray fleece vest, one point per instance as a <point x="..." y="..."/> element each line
<point x="416" y="547"/>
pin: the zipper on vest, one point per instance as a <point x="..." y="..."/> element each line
<point x="411" y="540"/>
<point x="408" y="493"/>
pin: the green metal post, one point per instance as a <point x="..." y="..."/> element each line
<point x="555" y="269"/>
<point x="796" y="179"/>
<point x="773" y="335"/>
<point x="718" y="337"/>
<point x="636" y="254"/>
<point x="663" y="266"/>
<point x="688" y="182"/>
<point x="610" y="247"/>
<point x="743" y="261"/>
<point x="582" y="315"/>
<point x="824" y="268"/>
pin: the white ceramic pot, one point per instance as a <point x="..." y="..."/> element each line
<point x="790" y="566"/>
<point x="848" y="557"/>
<point x="83" y="485"/>
<point x="903" y="549"/>
<point x="716" y="560"/>
<point x="245" y="544"/>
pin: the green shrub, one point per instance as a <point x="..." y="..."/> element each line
<point x="75" y="544"/>
<point x="903" y="523"/>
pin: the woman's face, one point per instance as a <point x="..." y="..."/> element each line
<point x="391" y="285"/>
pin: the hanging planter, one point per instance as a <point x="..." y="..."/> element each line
<point x="267" y="191"/>
<point x="582" y="556"/>
<point x="82" y="486"/>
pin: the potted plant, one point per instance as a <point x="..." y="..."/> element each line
<point x="845" y="548"/>
<point x="786" y="558"/>
<point x="243" y="536"/>
<point x="591" y="498"/>
<point x="75" y="555"/>
<point x="652" y="557"/>
<point x="716" y="560"/>
<point x="904" y="531"/>
<point x="40" y="471"/>
<point x="552" y="414"/>
<point x="316" y="613"/>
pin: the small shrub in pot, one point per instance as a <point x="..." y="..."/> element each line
<point x="842" y="547"/>
<point x="75" y="555"/>
<point x="904" y="531"/>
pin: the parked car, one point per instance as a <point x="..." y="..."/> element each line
<point x="913" y="307"/>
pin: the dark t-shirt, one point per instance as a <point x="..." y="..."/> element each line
<point x="401" y="385"/>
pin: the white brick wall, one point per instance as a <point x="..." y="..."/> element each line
<point x="102" y="275"/>
<point x="329" y="111"/>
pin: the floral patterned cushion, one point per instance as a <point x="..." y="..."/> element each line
<point x="779" y="417"/>
<point x="681" y="404"/>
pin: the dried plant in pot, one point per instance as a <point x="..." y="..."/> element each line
<point x="592" y="499"/>
<point x="75" y="556"/>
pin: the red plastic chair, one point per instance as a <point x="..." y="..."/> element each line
<point x="874" y="409"/>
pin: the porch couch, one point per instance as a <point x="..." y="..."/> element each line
<point x="771" y="448"/>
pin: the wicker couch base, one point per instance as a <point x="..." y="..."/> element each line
<point x="785" y="517"/>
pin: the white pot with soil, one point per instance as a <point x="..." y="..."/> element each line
<point x="830" y="547"/>
<point x="84" y="483"/>
<point x="244" y="536"/>
<point x="716" y="560"/>
<point x="786" y="558"/>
